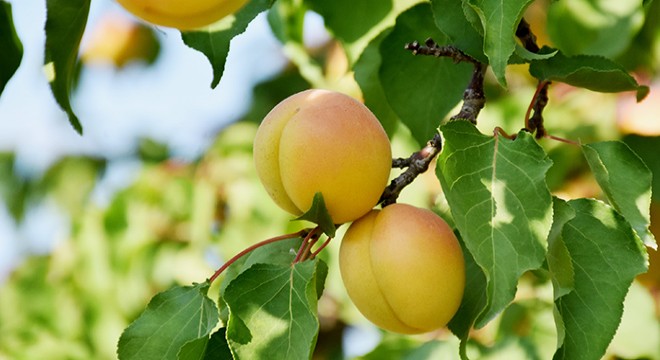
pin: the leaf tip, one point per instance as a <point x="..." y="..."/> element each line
<point x="642" y="92"/>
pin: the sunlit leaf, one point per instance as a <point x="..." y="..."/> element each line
<point x="606" y="256"/>
<point x="172" y="319"/>
<point x="12" y="49"/>
<point x="501" y="205"/>
<point x="416" y="87"/>
<point x="65" y="24"/>
<point x="626" y="181"/>
<point x="273" y="311"/>
<point x="499" y="20"/>
<point x="588" y="71"/>
<point x="214" y="41"/>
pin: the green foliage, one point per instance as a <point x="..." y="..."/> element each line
<point x="214" y="41"/>
<point x="272" y="310"/>
<point x="11" y="45"/>
<point x="172" y="319"/>
<point x="605" y="256"/>
<point x="611" y="163"/>
<point x="590" y="72"/>
<point x="499" y="184"/>
<point x="65" y="25"/>
<point x="498" y="23"/>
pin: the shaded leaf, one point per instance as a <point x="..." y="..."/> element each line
<point x="171" y="320"/>
<point x="452" y="21"/>
<point x="588" y="71"/>
<point x="273" y="311"/>
<point x="626" y="181"/>
<point x="473" y="302"/>
<point x="558" y="257"/>
<point x="12" y="49"/>
<point x="647" y="148"/>
<point x="420" y="89"/>
<point x="218" y="349"/>
<point x="606" y="256"/>
<point x="318" y="214"/>
<point x="501" y="205"/>
<point x="499" y="20"/>
<point x="366" y="75"/>
<point x="214" y="40"/>
<point x="365" y="20"/>
<point x="65" y="24"/>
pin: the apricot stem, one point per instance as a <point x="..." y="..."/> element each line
<point x="317" y="251"/>
<point x="308" y="242"/>
<point x="300" y="233"/>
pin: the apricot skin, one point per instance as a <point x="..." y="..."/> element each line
<point x="403" y="268"/>
<point x="180" y="14"/>
<point x="323" y="141"/>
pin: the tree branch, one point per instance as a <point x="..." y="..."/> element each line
<point x="473" y="101"/>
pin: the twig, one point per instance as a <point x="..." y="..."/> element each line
<point x="417" y="163"/>
<point x="217" y="273"/>
<point x="431" y="48"/>
<point x="534" y="124"/>
<point x="474" y="98"/>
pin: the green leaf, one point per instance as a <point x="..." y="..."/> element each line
<point x="558" y="257"/>
<point x="499" y="20"/>
<point x="65" y="24"/>
<point x="502" y="207"/>
<point x="273" y="311"/>
<point x="287" y="20"/>
<point x="420" y="89"/>
<point x="318" y="214"/>
<point x="647" y="149"/>
<point x="594" y="27"/>
<point x="474" y="300"/>
<point x="12" y="49"/>
<point x="214" y="41"/>
<point x="588" y="71"/>
<point x="626" y="181"/>
<point x="365" y="20"/>
<point x="452" y="21"/>
<point x="606" y="256"/>
<point x="366" y="75"/>
<point x="280" y="253"/>
<point x="218" y="349"/>
<point x="171" y="320"/>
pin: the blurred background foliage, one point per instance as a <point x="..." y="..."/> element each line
<point x="177" y="221"/>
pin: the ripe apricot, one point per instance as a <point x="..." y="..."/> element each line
<point x="403" y="268"/>
<point x="323" y="141"/>
<point x="183" y="15"/>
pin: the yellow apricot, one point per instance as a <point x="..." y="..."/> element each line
<point x="403" y="268"/>
<point x="180" y="14"/>
<point x="323" y="141"/>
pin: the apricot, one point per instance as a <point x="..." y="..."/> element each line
<point x="180" y="14"/>
<point x="323" y="141"/>
<point x="403" y="268"/>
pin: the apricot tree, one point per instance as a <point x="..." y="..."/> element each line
<point x="512" y="245"/>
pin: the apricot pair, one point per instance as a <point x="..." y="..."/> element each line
<point x="180" y="14"/>
<point x="402" y="266"/>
